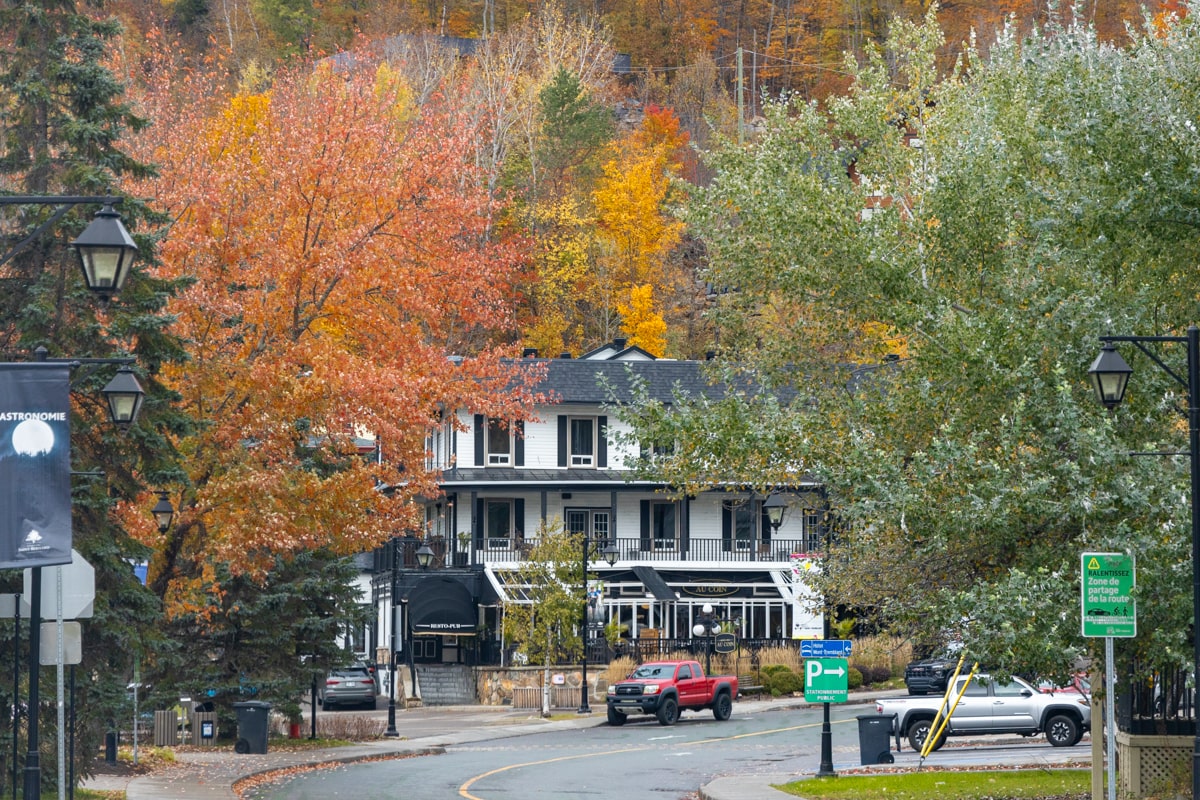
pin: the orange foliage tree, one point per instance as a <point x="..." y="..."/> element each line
<point x="347" y="290"/>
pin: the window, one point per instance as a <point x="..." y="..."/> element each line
<point x="812" y="530"/>
<point x="498" y="522"/>
<point x="589" y="521"/>
<point x="499" y="444"/>
<point x="743" y="526"/>
<point x="685" y="673"/>
<point x="1009" y="689"/>
<point x="583" y="441"/>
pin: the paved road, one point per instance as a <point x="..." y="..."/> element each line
<point x="641" y="760"/>
<point x="485" y="736"/>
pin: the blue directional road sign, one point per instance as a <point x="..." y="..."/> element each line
<point x="825" y="648"/>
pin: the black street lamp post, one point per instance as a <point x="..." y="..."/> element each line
<point x="424" y="555"/>
<point x="106" y="252"/>
<point x="391" y="717"/>
<point x="610" y="554"/>
<point x="706" y="625"/>
<point x="1110" y="377"/>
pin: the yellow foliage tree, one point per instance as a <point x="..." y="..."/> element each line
<point x="643" y="325"/>
<point x="631" y="210"/>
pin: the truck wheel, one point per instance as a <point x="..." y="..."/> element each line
<point x="723" y="707"/>
<point x="668" y="711"/>
<point x="1062" y="731"/>
<point x="615" y="717"/>
<point x="921" y="729"/>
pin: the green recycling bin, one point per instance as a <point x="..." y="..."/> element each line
<point x="252" y="717"/>
<point x="874" y="738"/>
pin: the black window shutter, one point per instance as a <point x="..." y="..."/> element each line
<point x="602" y="442"/>
<point x="726" y="528"/>
<point x="519" y="520"/>
<point x="645" y="524"/>
<point x="562" y="440"/>
<point x="479" y="523"/>
<point x="480" y="433"/>
<point x="519" y="444"/>
<point x="764" y="523"/>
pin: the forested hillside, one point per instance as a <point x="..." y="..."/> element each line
<point x="785" y="44"/>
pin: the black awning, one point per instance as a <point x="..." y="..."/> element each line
<point x="442" y="605"/>
<point x="654" y="582"/>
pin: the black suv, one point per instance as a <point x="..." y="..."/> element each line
<point x="929" y="674"/>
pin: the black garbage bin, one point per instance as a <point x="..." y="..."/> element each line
<point x="874" y="738"/>
<point x="252" y="718"/>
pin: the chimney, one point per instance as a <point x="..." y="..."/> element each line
<point x="529" y="352"/>
<point x="564" y="354"/>
<point x="619" y="343"/>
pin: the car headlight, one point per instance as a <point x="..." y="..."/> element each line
<point x="612" y="689"/>
<point x="650" y="688"/>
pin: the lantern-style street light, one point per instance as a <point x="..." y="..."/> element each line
<point x="164" y="512"/>
<point x="610" y="554"/>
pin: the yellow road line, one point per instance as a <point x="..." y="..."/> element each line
<point x="464" y="791"/>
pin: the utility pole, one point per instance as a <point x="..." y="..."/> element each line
<point x="740" y="101"/>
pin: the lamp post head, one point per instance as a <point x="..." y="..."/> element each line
<point x="775" y="506"/>
<point x="106" y="252"/>
<point x="124" y="396"/>
<point x="164" y="512"/>
<point x="698" y="629"/>
<point x="424" y="555"/>
<point x="610" y="553"/>
<point x="1110" y="376"/>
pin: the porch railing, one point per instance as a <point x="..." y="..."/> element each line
<point x="508" y="551"/>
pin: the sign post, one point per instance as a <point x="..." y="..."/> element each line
<point x="826" y="680"/>
<point x="1108" y="609"/>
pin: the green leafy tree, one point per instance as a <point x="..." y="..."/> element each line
<point x="1040" y="209"/>
<point x="546" y="629"/>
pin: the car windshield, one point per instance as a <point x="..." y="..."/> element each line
<point x="653" y="671"/>
<point x="350" y="673"/>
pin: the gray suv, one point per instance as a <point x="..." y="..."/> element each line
<point x="347" y="686"/>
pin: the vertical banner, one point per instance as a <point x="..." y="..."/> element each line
<point x="35" y="465"/>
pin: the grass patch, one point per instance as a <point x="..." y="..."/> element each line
<point x="986" y="785"/>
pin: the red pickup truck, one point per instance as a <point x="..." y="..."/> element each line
<point x="665" y="688"/>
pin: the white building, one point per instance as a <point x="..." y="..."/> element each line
<point x="674" y="555"/>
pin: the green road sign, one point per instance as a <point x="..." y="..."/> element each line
<point x="1106" y="587"/>
<point x="826" y="680"/>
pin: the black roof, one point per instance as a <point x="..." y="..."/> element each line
<point x="576" y="380"/>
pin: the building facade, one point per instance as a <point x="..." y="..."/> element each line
<point x="500" y="484"/>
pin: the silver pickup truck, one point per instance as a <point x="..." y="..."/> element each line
<point x="990" y="706"/>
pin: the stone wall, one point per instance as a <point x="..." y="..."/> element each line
<point x="496" y="685"/>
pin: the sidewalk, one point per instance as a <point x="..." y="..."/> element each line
<point x="205" y="775"/>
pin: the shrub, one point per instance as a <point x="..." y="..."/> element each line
<point x="854" y="679"/>
<point x="771" y="670"/>
<point x="782" y="683"/>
